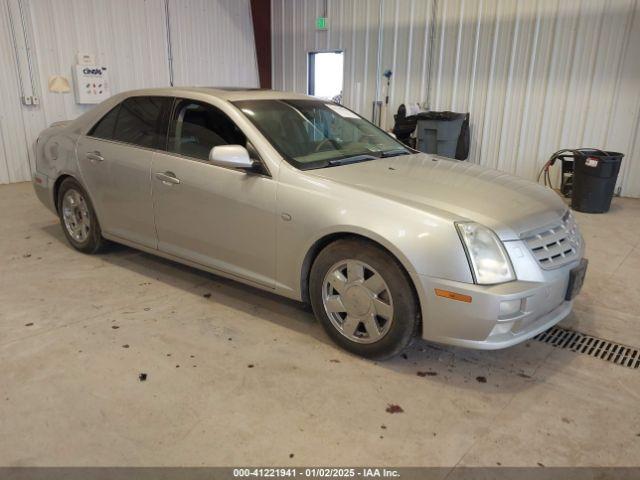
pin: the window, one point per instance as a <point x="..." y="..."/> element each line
<point x="105" y="127"/>
<point x="317" y="134"/>
<point x="137" y="120"/>
<point x="198" y="127"/>
<point x="326" y="71"/>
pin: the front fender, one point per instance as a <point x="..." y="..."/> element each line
<point x="423" y="242"/>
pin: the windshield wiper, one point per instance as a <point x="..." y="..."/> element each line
<point x="395" y="152"/>
<point x="354" y="159"/>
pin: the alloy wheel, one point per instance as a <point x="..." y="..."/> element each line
<point x="75" y="213"/>
<point x="358" y="301"/>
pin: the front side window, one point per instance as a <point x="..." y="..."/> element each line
<point x="198" y="127"/>
<point x="317" y="134"/>
<point x="137" y="120"/>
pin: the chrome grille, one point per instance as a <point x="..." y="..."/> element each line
<point x="556" y="246"/>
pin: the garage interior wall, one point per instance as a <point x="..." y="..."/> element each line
<point x="536" y="76"/>
<point x="211" y="43"/>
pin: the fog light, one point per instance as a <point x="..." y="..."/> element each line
<point x="501" y="328"/>
<point x="509" y="307"/>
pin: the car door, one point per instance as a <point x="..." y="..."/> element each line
<point x="218" y="217"/>
<point x="115" y="164"/>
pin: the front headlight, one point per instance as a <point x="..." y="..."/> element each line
<point x="489" y="260"/>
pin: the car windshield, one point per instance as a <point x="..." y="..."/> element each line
<point x="317" y="134"/>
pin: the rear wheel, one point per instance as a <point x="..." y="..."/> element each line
<point x="363" y="299"/>
<point x="79" y="222"/>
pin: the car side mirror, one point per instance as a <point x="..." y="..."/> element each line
<point x="231" y="156"/>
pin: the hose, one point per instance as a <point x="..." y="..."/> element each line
<point x="565" y="152"/>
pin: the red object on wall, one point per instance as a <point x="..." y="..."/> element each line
<point x="261" y="15"/>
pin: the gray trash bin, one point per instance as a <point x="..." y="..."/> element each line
<point x="439" y="132"/>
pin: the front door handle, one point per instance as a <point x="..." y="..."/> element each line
<point x="94" y="157"/>
<point x="168" y="178"/>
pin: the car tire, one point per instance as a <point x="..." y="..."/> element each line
<point x="78" y="218"/>
<point x="363" y="298"/>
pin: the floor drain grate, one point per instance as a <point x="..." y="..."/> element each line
<point x="593" y="346"/>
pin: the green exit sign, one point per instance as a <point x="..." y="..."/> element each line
<point x="321" y="23"/>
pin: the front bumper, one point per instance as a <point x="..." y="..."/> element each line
<point x="497" y="316"/>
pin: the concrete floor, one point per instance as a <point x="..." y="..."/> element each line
<point x="244" y="377"/>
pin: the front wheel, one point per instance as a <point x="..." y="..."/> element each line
<point x="79" y="221"/>
<point x="363" y="299"/>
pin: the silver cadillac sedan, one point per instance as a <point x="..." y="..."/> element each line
<point x="304" y="198"/>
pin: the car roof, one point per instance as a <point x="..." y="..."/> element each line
<point x="226" y="93"/>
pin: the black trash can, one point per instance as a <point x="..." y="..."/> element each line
<point x="594" y="178"/>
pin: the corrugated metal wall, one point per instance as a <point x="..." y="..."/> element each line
<point x="13" y="143"/>
<point x="129" y="38"/>
<point x="536" y="76"/>
<point x="212" y="44"/>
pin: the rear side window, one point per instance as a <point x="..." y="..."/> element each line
<point x="137" y="120"/>
<point x="105" y="127"/>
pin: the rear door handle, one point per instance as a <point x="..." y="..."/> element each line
<point x="168" y="178"/>
<point x="94" y="157"/>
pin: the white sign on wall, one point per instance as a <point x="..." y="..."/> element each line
<point x="85" y="58"/>
<point x="91" y="83"/>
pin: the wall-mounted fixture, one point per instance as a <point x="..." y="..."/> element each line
<point x="322" y="20"/>
<point x="322" y="23"/>
<point x="85" y="58"/>
<point x="59" y="84"/>
<point x="91" y="81"/>
<point x="21" y="37"/>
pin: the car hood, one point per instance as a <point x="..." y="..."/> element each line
<point x="510" y="205"/>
